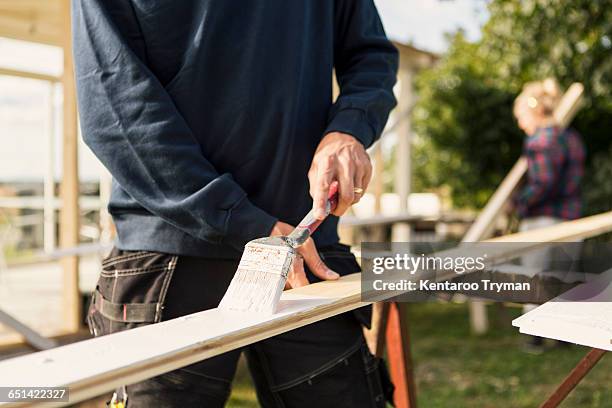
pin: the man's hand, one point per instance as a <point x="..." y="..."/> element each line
<point x="307" y="253"/>
<point x="343" y="158"/>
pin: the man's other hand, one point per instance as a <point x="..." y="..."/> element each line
<point x="340" y="157"/>
<point x="307" y="254"/>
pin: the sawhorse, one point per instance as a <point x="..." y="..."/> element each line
<point x="390" y="328"/>
<point x="573" y="378"/>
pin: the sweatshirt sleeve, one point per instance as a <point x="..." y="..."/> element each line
<point x="132" y="125"/>
<point x="366" y="66"/>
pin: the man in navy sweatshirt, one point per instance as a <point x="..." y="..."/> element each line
<point x="216" y="120"/>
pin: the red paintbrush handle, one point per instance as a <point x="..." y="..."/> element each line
<point x="309" y="224"/>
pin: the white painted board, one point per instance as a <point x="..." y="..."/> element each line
<point x="582" y="315"/>
<point x="98" y="365"/>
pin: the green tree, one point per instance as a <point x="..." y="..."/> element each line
<point x="468" y="138"/>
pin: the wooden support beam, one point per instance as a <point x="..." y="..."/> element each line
<point x="398" y="341"/>
<point x="482" y="227"/>
<point x="375" y="336"/>
<point x="29" y="75"/>
<point x="31" y="336"/>
<point x="31" y="20"/>
<point x="401" y="232"/>
<point x="385" y="220"/>
<point x="378" y="182"/>
<point x="29" y="29"/>
<point x="98" y="365"/>
<point x="574" y="377"/>
<point x="107" y="228"/>
<point x="569" y="105"/>
<point x="563" y="232"/>
<point x="398" y="346"/>
<point x="49" y="179"/>
<point x="69" y="214"/>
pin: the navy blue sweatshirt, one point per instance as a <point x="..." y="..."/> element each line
<point x="208" y="112"/>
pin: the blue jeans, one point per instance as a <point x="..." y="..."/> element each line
<point x="325" y="364"/>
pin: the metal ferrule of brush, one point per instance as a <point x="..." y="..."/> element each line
<point x="303" y="231"/>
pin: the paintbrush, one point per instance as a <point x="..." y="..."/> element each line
<point x="265" y="264"/>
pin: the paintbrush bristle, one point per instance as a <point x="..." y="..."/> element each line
<point x="261" y="276"/>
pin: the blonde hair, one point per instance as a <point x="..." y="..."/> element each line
<point x="544" y="95"/>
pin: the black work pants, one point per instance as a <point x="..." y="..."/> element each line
<point x="324" y="364"/>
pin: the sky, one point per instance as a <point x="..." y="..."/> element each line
<point x="24" y="104"/>
<point x="423" y="23"/>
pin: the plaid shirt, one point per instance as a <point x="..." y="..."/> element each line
<point x="556" y="168"/>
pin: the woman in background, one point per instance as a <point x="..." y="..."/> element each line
<point x="555" y="157"/>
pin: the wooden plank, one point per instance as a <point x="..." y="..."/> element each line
<point x="398" y="342"/>
<point x="49" y="229"/>
<point x="28" y="8"/>
<point x="484" y="223"/>
<point x="32" y="337"/>
<point x="569" y="104"/>
<point x="404" y="217"/>
<point x="402" y="232"/>
<point x="32" y="293"/>
<point x="14" y="340"/>
<point x="403" y="167"/>
<point x="565" y="231"/>
<point x="378" y="182"/>
<point x="574" y="377"/>
<point x="69" y="214"/>
<point x="38" y="203"/>
<point x="29" y="75"/>
<point x="583" y="315"/>
<point x="375" y="336"/>
<point x="98" y="365"/>
<point x="124" y="358"/>
<point x="31" y="20"/>
<point x="38" y="31"/>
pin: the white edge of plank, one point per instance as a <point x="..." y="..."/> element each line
<point x="98" y="365"/>
<point x="560" y="319"/>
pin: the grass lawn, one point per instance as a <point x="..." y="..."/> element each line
<point x="456" y="369"/>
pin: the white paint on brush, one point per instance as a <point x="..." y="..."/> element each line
<point x="260" y="279"/>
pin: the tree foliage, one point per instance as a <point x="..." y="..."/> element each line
<point x="468" y="138"/>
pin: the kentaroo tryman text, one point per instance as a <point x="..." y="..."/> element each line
<point x="427" y="285"/>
